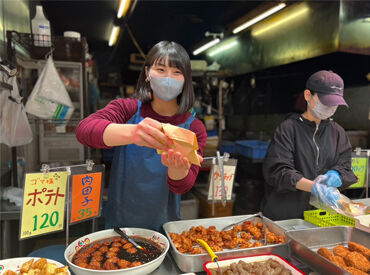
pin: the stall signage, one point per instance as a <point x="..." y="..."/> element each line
<point x="86" y="196"/>
<point x="229" y="175"/>
<point x="359" y="168"/>
<point x="43" y="203"/>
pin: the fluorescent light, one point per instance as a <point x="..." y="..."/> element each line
<point x="123" y="7"/>
<point x="223" y="47"/>
<point x="114" y="35"/>
<point x="206" y="46"/>
<point x="259" y="31"/>
<point x="259" y="18"/>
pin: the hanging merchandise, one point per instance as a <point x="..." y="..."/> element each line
<point x="14" y="127"/>
<point x="49" y="98"/>
<point x="41" y="29"/>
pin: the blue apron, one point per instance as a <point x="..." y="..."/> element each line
<point x="138" y="194"/>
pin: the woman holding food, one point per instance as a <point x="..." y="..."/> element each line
<point x="305" y="146"/>
<point x="145" y="187"/>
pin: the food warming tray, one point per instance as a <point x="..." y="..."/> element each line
<point x="194" y="263"/>
<point x="305" y="243"/>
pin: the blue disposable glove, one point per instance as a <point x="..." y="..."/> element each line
<point x="327" y="195"/>
<point x="333" y="179"/>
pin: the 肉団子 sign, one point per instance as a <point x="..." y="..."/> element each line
<point x="86" y="196"/>
<point x="43" y="203"/>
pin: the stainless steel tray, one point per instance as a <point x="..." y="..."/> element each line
<point x="194" y="263"/>
<point x="305" y="243"/>
<point x="295" y="224"/>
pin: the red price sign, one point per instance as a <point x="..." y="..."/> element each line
<point x="86" y="196"/>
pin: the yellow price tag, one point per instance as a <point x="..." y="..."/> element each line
<point x="43" y="203"/>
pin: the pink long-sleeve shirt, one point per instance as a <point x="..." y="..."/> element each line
<point x="90" y="132"/>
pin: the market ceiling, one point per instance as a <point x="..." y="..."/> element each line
<point x="182" y="21"/>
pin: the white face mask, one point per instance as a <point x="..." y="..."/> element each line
<point x="321" y="111"/>
<point x="166" y="88"/>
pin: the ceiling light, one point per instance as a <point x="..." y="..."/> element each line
<point x="223" y="47"/>
<point x="259" y="31"/>
<point x="259" y="17"/>
<point x="123" y="8"/>
<point x="114" y="35"/>
<point x="206" y="46"/>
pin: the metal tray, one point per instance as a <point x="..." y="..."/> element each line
<point x="305" y="243"/>
<point x="194" y="263"/>
<point x="295" y="224"/>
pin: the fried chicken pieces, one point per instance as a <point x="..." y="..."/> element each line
<point x="239" y="237"/>
<point x="354" y="259"/>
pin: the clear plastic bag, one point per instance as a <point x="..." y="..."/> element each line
<point x="331" y="200"/>
<point x="15" y="129"/>
<point x="49" y="98"/>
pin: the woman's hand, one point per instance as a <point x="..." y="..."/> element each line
<point x="149" y="133"/>
<point x="178" y="165"/>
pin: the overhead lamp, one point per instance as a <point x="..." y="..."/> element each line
<point x="206" y="46"/>
<point x="287" y="18"/>
<point x="223" y="47"/>
<point x="259" y="18"/>
<point x="216" y="39"/>
<point x="123" y="8"/>
<point x="114" y="35"/>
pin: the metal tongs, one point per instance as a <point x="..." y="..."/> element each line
<point x="214" y="257"/>
<point x="220" y="161"/>
<point x="259" y="215"/>
<point x="124" y="235"/>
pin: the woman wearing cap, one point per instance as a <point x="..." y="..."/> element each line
<point x="145" y="188"/>
<point x="305" y="146"/>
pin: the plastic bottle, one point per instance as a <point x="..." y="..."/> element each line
<point x="41" y="29"/>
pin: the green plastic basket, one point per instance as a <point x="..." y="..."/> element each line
<point x="323" y="218"/>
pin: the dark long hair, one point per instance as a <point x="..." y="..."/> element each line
<point x="177" y="57"/>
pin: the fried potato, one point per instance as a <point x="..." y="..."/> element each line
<point x="50" y="269"/>
<point x="40" y="267"/>
<point x="39" y="264"/>
<point x="357" y="260"/>
<point x="26" y="266"/>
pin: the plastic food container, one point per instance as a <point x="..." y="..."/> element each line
<point x="253" y="149"/>
<point x="249" y="259"/>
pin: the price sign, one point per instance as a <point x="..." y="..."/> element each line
<point x="43" y="203"/>
<point x="215" y="178"/>
<point x="359" y="168"/>
<point x="86" y="196"/>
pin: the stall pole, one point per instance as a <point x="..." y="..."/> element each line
<point x="220" y="114"/>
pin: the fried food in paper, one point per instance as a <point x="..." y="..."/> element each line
<point x="357" y="260"/>
<point x="39" y="267"/>
<point x="359" y="248"/>
<point x="326" y="253"/>
<point x="341" y="251"/>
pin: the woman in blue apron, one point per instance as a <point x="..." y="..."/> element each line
<point x="145" y="188"/>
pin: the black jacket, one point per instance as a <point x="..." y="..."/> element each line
<point x="293" y="154"/>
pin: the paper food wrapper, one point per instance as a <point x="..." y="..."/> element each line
<point x="185" y="142"/>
